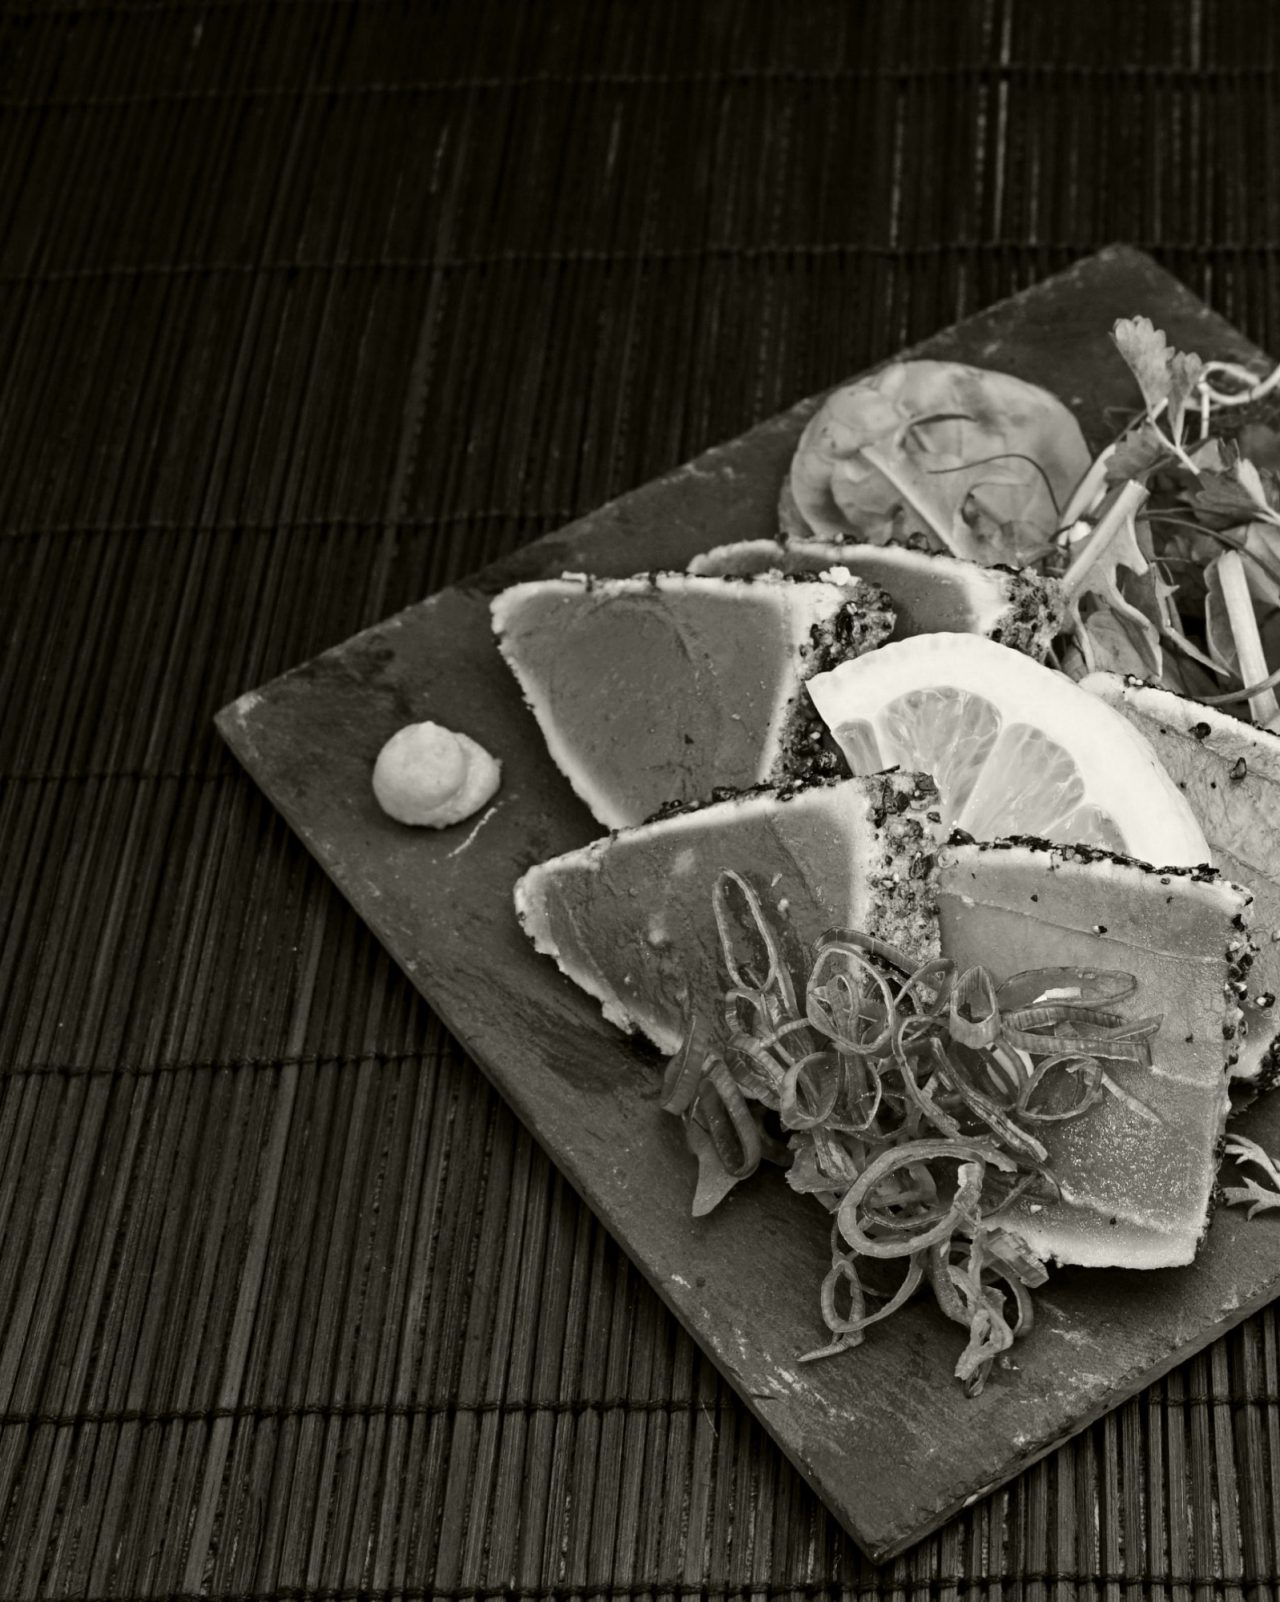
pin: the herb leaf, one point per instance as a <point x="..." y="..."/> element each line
<point x="1226" y="495"/>
<point x="714" y="1180"/>
<point x="1142" y="449"/>
<point x="1148" y="354"/>
<point x="1112" y="631"/>
<point x="1256" y="1197"/>
<point x="1185" y="372"/>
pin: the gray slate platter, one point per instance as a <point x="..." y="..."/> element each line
<point x="884" y="1435"/>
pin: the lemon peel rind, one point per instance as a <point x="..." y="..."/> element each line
<point x="1127" y="782"/>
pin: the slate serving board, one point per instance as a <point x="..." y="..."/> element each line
<point x="884" y="1435"/>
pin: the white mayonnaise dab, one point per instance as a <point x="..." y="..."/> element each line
<point x="428" y="775"/>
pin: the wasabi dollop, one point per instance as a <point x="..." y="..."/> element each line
<point x="432" y="777"/>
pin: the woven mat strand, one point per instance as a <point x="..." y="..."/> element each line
<point x="307" y="309"/>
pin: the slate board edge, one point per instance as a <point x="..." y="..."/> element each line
<point x="232" y="719"/>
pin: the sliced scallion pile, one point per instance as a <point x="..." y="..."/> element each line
<point x="906" y="1097"/>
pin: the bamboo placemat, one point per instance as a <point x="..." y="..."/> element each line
<point x="307" y="309"/>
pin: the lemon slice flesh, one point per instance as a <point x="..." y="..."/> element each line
<point x="1014" y="748"/>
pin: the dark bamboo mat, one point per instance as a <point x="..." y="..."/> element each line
<point x="307" y="309"/>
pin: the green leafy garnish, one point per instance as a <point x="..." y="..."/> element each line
<point x="1167" y="378"/>
<point x="1256" y="1197"/>
<point x="1143" y="448"/>
<point x="1147" y="527"/>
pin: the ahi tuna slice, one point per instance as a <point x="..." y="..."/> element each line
<point x="932" y="593"/>
<point x="1229" y="772"/>
<point x="665" y="687"/>
<point x="630" y="918"/>
<point x="1137" y="1169"/>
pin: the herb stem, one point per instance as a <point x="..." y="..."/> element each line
<point x="1255" y="388"/>
<point x="1108" y="526"/>
<point x="1088" y="489"/>
<point x="1250" y="690"/>
<point x="1248" y="642"/>
<point x="1224" y="536"/>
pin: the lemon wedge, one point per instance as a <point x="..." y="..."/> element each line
<point x="1016" y="749"/>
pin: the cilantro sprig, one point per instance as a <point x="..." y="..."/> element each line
<point x="1170" y="552"/>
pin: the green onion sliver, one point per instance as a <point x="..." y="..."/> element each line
<point x="728" y="1119"/>
<point x="823" y="1096"/>
<point x="776" y="975"/>
<point x="972" y="1158"/>
<point x="974" y="1018"/>
<point x="1086" y="986"/>
<point x="685" y="1071"/>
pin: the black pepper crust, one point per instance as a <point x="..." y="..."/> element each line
<point x="899" y="790"/>
<point x="1037" y="607"/>
<point x="857" y="627"/>
<point x="783" y="789"/>
<point x="808" y="753"/>
<point x="1202" y="873"/>
<point x="906" y="878"/>
<point x="905" y="909"/>
<point x="654" y="575"/>
<point x="1268" y="1075"/>
<point x="806" y="750"/>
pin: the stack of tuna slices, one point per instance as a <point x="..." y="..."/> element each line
<point x="676" y="707"/>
